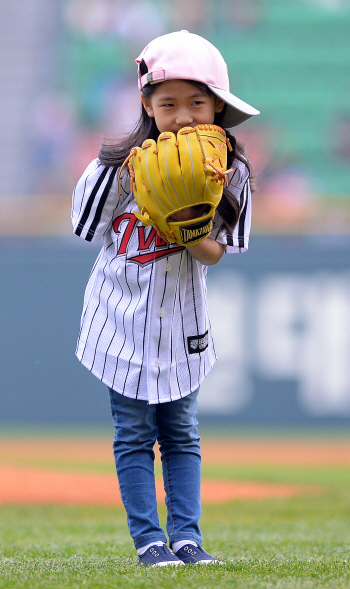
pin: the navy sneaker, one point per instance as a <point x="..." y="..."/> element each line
<point x="190" y="554"/>
<point x="159" y="556"/>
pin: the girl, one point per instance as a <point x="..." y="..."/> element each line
<point x="145" y="330"/>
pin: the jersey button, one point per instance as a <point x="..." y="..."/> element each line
<point x="158" y="362"/>
<point x="167" y="267"/>
<point x="161" y="313"/>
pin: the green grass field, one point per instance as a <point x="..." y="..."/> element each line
<point x="298" y="542"/>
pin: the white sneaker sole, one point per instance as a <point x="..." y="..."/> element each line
<point x="209" y="562"/>
<point x="168" y="563"/>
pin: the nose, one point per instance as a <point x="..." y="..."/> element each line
<point x="184" y="118"/>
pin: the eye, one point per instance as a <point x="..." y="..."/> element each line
<point x="198" y="102"/>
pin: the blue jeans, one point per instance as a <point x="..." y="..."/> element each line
<point x="138" y="426"/>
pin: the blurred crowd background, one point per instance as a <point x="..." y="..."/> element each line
<point x="68" y="78"/>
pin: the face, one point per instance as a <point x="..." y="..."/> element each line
<point x="176" y="104"/>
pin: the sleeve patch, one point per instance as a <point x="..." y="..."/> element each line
<point x="197" y="343"/>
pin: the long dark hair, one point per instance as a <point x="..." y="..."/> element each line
<point x="114" y="154"/>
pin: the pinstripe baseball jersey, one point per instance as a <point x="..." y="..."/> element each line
<point x="145" y="330"/>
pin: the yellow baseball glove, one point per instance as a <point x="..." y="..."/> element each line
<point x="178" y="181"/>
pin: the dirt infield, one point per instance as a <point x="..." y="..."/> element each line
<point x="42" y="471"/>
<point x="40" y="487"/>
<point x="240" y="451"/>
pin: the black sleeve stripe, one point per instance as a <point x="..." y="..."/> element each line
<point x="100" y="205"/>
<point x="89" y="203"/>
<point x="86" y="179"/>
<point x="229" y="239"/>
<point x="241" y="226"/>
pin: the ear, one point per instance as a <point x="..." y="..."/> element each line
<point x="219" y="104"/>
<point x="147" y="105"/>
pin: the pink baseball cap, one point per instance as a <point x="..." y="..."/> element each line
<point x="186" y="56"/>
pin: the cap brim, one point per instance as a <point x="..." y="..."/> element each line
<point x="236" y="111"/>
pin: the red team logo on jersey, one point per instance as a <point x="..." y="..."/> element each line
<point x="163" y="248"/>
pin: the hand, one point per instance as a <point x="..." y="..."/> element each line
<point x="209" y="252"/>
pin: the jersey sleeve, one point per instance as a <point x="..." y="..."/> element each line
<point x="96" y="200"/>
<point x="237" y="241"/>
